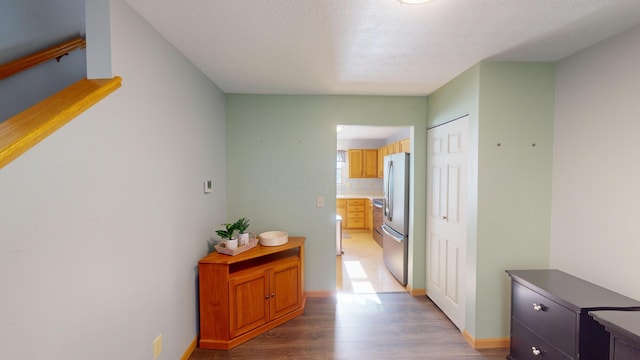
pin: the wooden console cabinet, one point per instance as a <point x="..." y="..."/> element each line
<point x="244" y="295"/>
<point x="550" y="316"/>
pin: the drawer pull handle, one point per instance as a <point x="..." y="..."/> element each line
<point x="535" y="351"/>
<point x="537" y="307"/>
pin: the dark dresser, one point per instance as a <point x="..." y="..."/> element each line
<point x="624" y="327"/>
<point x="550" y="316"/>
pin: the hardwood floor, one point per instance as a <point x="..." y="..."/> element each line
<point x="371" y="318"/>
<point x="361" y="326"/>
<point x="361" y="270"/>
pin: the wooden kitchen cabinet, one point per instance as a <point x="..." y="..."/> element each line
<point x="405" y="145"/>
<point x="382" y="152"/>
<point x="363" y="163"/>
<point x="244" y="295"/>
<point x="396" y="147"/>
<point x="389" y="149"/>
<point x="368" y="214"/>
<point x="341" y="209"/>
<point x="355" y="214"/>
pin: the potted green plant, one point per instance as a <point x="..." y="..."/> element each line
<point x="227" y="233"/>
<point x="229" y="229"/>
<point x="243" y="236"/>
<point x="242" y="225"/>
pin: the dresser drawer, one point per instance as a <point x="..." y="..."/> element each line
<point x="355" y="202"/>
<point x="548" y="320"/>
<point x="355" y="208"/>
<point x="525" y="345"/>
<point x="622" y="350"/>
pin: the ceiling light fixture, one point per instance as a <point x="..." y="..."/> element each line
<point x="414" y="2"/>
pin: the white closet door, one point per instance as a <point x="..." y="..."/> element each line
<point x="447" y="147"/>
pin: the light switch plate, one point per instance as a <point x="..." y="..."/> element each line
<point x="320" y="201"/>
<point x="208" y="186"/>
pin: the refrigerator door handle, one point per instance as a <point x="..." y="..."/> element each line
<point x="390" y="187"/>
<point x="393" y="236"/>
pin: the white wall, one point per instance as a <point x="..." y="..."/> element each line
<point x="595" y="232"/>
<point x="102" y="223"/>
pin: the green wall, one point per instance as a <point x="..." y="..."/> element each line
<point x="510" y="188"/>
<point x="281" y="153"/>
<point x="457" y="98"/>
<point x="514" y="182"/>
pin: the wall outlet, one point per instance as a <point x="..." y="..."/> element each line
<point x="157" y="347"/>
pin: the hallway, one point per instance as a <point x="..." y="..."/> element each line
<point x="360" y="269"/>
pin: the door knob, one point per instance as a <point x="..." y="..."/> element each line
<point x="535" y="351"/>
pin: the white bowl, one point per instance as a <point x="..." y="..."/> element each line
<point x="274" y="238"/>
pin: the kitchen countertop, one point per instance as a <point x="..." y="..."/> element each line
<point x="361" y="196"/>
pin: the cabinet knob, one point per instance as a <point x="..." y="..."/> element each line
<point x="537" y="307"/>
<point x="273" y="294"/>
<point x="535" y="351"/>
<point x="266" y="297"/>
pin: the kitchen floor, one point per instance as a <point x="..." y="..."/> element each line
<point x="361" y="270"/>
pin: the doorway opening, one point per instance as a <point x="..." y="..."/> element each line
<point x="360" y="267"/>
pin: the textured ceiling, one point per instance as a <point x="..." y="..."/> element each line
<point x="376" y="47"/>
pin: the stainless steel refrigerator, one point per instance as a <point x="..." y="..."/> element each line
<point x="395" y="227"/>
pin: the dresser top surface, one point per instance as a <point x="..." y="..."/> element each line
<point x="625" y="323"/>
<point x="573" y="292"/>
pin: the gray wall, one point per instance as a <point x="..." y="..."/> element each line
<point x="28" y="26"/>
<point x="103" y="222"/>
<point x="595" y="230"/>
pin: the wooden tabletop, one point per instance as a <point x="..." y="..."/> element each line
<point x="259" y="250"/>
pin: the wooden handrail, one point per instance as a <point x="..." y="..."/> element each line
<point x="24" y="130"/>
<point x="54" y="52"/>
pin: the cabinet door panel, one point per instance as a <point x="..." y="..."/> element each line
<point x="285" y="289"/>
<point x="405" y="146"/>
<point x="382" y="152"/>
<point x="356" y="163"/>
<point x="355" y="223"/>
<point x="341" y="209"/>
<point x="248" y="303"/>
<point x="370" y="163"/>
